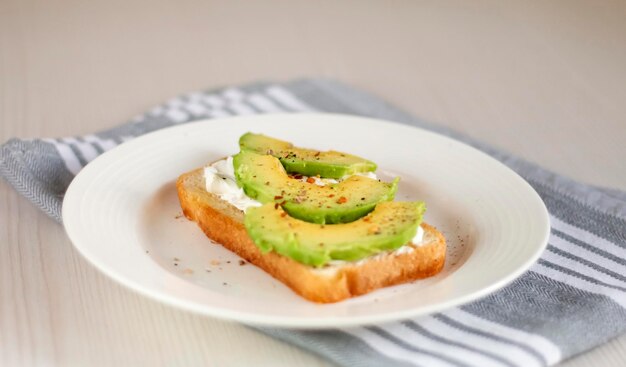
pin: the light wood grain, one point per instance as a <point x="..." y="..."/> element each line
<point x="544" y="80"/>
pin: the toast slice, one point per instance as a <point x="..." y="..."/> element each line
<point x="223" y="223"/>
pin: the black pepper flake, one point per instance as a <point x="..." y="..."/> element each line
<point x="242" y="263"/>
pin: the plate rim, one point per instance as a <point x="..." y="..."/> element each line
<point x="294" y="322"/>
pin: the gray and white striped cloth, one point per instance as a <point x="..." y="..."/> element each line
<point x="571" y="300"/>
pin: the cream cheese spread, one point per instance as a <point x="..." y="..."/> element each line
<point x="219" y="179"/>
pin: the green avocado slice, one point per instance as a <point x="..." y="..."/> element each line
<point x="263" y="178"/>
<point x="391" y="225"/>
<point x="309" y="162"/>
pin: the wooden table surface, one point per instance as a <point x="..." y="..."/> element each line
<point x="544" y="80"/>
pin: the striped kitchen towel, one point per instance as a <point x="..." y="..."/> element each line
<point x="571" y="300"/>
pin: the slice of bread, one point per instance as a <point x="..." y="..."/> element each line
<point x="223" y="223"/>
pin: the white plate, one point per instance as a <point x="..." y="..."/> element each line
<point x="122" y="213"/>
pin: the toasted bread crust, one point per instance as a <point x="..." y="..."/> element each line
<point x="223" y="223"/>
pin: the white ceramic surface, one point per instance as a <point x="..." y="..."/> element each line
<point x="122" y="213"/>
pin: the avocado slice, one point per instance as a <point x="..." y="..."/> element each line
<point x="309" y="162"/>
<point x="264" y="178"/>
<point x="391" y="225"/>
